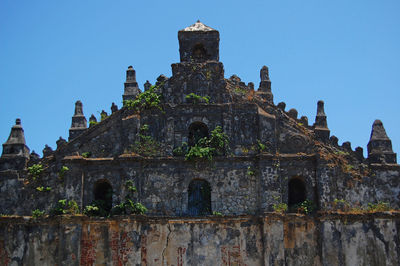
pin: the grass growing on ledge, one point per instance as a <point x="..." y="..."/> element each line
<point x="129" y="206"/>
<point x="194" y="98"/>
<point x="37" y="213"/>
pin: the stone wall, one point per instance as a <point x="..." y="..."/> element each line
<point x="272" y="239"/>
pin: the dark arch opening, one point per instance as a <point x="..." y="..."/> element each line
<point x="297" y="191"/>
<point x="199" y="53"/>
<point x="199" y="198"/>
<point x="197" y="131"/>
<point x="103" y="194"/>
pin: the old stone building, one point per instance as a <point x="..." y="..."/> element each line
<point x="197" y="146"/>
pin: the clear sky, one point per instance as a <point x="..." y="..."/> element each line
<point x="346" y="53"/>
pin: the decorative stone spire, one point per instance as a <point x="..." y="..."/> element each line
<point x="131" y="87"/>
<point x="380" y="146"/>
<point x="79" y="123"/>
<point x="147" y="85"/>
<point x="321" y="125"/>
<point x="265" y="85"/>
<point x="15" y="145"/>
<point x="61" y="142"/>
<point x="47" y="151"/>
<point x="92" y="120"/>
<point x="114" y="108"/>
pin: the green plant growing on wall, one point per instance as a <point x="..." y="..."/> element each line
<point x="103" y="116"/>
<point x="239" y="90"/>
<point x="280" y="207"/>
<point x="92" y="123"/>
<point x="250" y="171"/>
<point x="43" y="189"/>
<point x="215" y="213"/>
<point x="129" y="206"/>
<point x="214" y="145"/>
<point x="378" y="207"/>
<point x="63" y="171"/>
<point x="181" y="150"/>
<point x="146" y="100"/>
<point x="261" y="147"/>
<point x="92" y="210"/>
<point x="86" y="154"/>
<point x="306" y="207"/>
<point x="96" y="208"/>
<point x="35" y="171"/>
<point x="37" y="213"/>
<point x="194" y="98"/>
<point x="146" y="145"/>
<point x="65" y="207"/>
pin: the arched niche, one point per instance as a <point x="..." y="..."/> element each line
<point x="199" y="53"/>
<point x="197" y="131"/>
<point x="103" y="194"/>
<point x="199" y="198"/>
<point x="296" y="191"/>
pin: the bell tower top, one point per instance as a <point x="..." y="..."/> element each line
<point x="198" y="43"/>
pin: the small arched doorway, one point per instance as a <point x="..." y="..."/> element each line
<point x="199" y="198"/>
<point x="103" y="194"/>
<point x="297" y="191"/>
<point x="197" y="131"/>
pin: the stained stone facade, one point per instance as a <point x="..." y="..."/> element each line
<point x="268" y="148"/>
<point x="273" y="155"/>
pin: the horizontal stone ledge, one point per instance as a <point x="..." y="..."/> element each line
<point x="134" y="157"/>
<point x="253" y="219"/>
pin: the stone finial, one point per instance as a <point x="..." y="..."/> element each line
<point x="304" y="121"/>
<point x="79" y="123"/>
<point x="147" y="85"/>
<point x="15" y="146"/>
<point x="103" y="115"/>
<point x="359" y="153"/>
<point x="380" y="146"/>
<point x="293" y="113"/>
<point x="251" y="86"/>
<point x="321" y="125"/>
<point x="264" y="89"/>
<point x="78" y="108"/>
<point x="61" y="142"/>
<point x="114" y="108"/>
<point x="34" y="157"/>
<point x="264" y="74"/>
<point x="282" y="106"/>
<point x="347" y="145"/>
<point x="131" y="87"/>
<point x="47" y="151"/>
<point x="92" y="120"/>
<point x="320" y="119"/>
<point x="130" y="74"/>
<point x="334" y="140"/>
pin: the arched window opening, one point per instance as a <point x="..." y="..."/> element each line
<point x="103" y="195"/>
<point x="199" y="53"/>
<point x="197" y="131"/>
<point x="297" y="191"/>
<point x="199" y="198"/>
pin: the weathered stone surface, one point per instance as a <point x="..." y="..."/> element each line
<point x="266" y="240"/>
<point x="272" y="158"/>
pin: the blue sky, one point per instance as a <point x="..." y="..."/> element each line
<point x="346" y="53"/>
